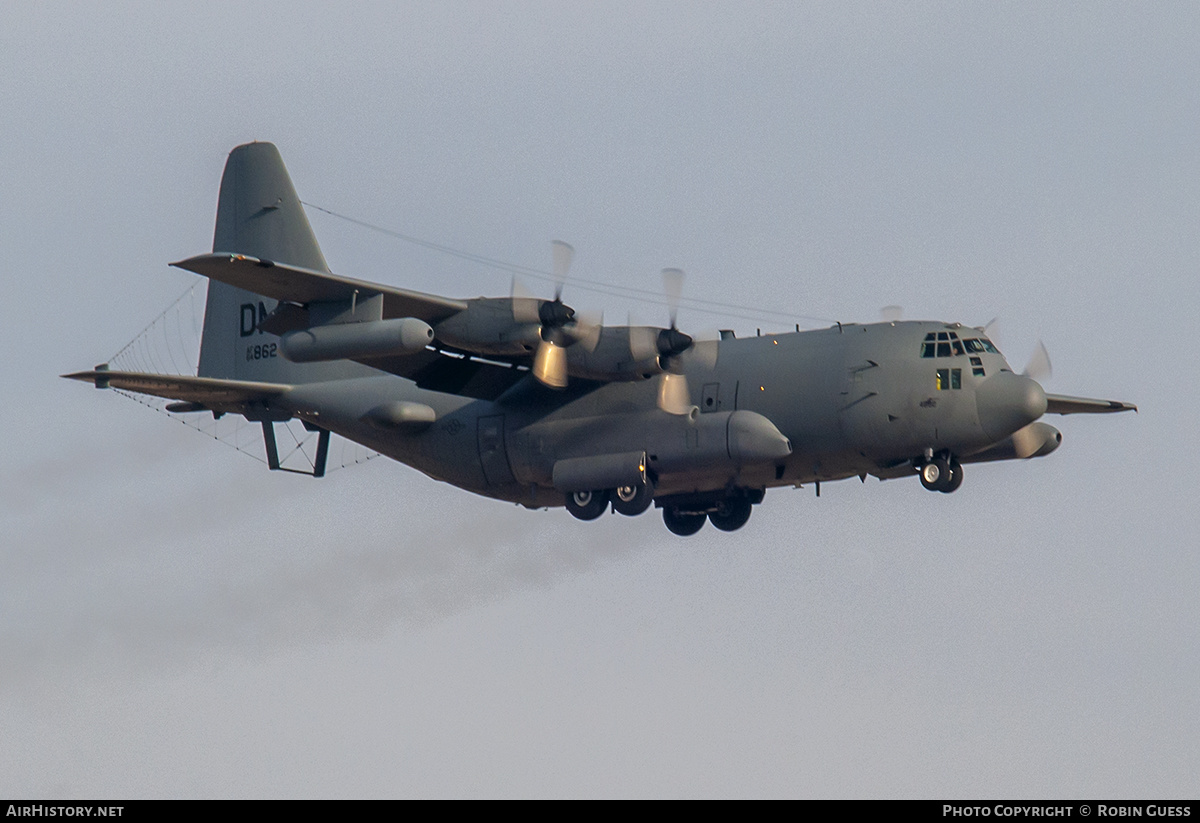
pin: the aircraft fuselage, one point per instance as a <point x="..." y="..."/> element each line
<point x="849" y="399"/>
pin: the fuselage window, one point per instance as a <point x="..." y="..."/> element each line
<point x="949" y="379"/>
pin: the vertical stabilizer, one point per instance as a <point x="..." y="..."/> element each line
<point x="259" y="214"/>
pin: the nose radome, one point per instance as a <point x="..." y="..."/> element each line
<point x="1007" y="402"/>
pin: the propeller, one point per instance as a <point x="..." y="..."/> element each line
<point x="890" y="314"/>
<point x="558" y="326"/>
<point x="671" y="346"/>
<point x="1039" y="367"/>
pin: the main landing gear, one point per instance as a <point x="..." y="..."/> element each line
<point x="684" y="524"/>
<point x="941" y="474"/>
<point x="627" y="500"/>
<point x="587" y="505"/>
<point x="685" y="515"/>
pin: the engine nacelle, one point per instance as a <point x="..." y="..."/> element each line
<point x="353" y="341"/>
<point x="1037" y="439"/>
<point x="488" y="326"/>
<point x="612" y="359"/>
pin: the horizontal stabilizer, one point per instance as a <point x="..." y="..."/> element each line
<point x="298" y="285"/>
<point x="1061" y="404"/>
<point x="210" y="392"/>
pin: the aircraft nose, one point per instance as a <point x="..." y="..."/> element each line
<point x="1007" y="402"/>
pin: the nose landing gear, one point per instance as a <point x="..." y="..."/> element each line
<point x="942" y="474"/>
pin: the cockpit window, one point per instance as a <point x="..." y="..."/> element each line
<point x="980" y="345"/>
<point x="947" y="344"/>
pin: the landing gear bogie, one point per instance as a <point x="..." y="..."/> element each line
<point x="728" y="511"/>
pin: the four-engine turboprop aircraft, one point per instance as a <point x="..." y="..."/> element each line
<point x="518" y="399"/>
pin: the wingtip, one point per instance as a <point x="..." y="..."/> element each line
<point x="97" y="377"/>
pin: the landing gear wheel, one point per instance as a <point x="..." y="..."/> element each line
<point x="587" y="505"/>
<point x="681" y="524"/>
<point x="633" y="500"/>
<point x="956" y="477"/>
<point x="935" y="475"/>
<point x="731" y="514"/>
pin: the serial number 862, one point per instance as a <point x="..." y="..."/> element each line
<point x="262" y="352"/>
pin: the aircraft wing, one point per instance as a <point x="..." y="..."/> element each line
<point x="293" y="284"/>
<point x="1062" y="404"/>
<point x="209" y="392"/>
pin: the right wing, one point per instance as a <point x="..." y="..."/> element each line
<point x="433" y="370"/>
<point x="207" y="392"/>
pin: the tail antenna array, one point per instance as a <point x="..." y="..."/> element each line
<point x="170" y="344"/>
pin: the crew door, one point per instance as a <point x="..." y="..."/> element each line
<point x="492" y="455"/>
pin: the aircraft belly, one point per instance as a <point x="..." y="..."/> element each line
<point x="447" y="449"/>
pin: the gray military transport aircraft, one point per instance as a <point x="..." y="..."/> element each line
<point x="519" y="399"/>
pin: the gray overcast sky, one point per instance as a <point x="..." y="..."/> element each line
<point x="177" y="621"/>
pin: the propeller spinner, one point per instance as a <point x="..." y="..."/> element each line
<point x="558" y="326"/>
<point x="670" y="346"/>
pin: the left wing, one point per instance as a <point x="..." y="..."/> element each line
<point x="294" y="284"/>
<point x="1062" y="404"/>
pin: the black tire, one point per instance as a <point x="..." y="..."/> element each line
<point x="587" y="505"/>
<point x="935" y="475"/>
<point x="633" y="500"/>
<point x="684" y="525"/>
<point x="731" y="514"/>
<point x="956" y="477"/>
